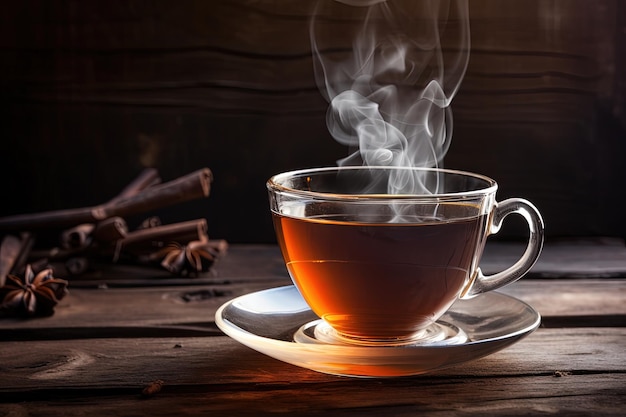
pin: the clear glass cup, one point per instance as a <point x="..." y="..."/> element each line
<point x="380" y="253"/>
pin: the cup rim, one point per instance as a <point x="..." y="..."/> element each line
<point x="273" y="184"/>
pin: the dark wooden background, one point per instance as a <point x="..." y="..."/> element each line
<point x="93" y="91"/>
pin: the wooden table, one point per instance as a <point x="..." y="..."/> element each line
<point x="117" y="333"/>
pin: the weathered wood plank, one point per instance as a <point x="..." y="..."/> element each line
<point x="573" y="258"/>
<point x="571" y="297"/>
<point x="150" y="307"/>
<point x="124" y="363"/>
<point x="164" y="304"/>
<point x="575" y="395"/>
<point x="570" y="258"/>
<point x="221" y="375"/>
<point x="174" y="309"/>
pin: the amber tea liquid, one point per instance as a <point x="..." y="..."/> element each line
<point x="380" y="280"/>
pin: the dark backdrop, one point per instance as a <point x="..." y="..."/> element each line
<point x="93" y="91"/>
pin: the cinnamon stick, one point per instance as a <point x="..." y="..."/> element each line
<point x="110" y="230"/>
<point x="104" y="234"/>
<point x="144" y="241"/>
<point x="77" y="237"/>
<point x="189" y="187"/>
<point x="152" y="221"/>
<point x="186" y="188"/>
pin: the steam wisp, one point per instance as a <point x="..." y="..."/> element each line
<point x="390" y="93"/>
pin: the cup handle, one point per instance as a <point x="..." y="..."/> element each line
<point x="483" y="283"/>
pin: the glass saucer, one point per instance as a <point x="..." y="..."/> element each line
<point x="279" y="323"/>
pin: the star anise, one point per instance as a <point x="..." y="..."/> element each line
<point x="33" y="294"/>
<point x="197" y="256"/>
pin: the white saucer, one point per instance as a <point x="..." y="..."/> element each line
<point x="279" y="323"/>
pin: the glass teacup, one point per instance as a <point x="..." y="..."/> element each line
<point x="381" y="266"/>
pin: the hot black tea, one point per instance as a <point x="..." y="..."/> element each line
<point x="381" y="279"/>
<point x="380" y="253"/>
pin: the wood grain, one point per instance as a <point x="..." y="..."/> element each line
<point x="223" y="376"/>
<point x="177" y="310"/>
<point x="589" y="395"/>
<point x="221" y="360"/>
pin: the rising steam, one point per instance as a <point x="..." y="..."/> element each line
<point x="390" y="90"/>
